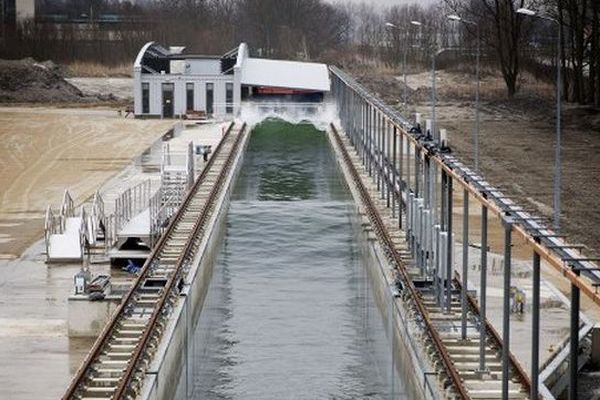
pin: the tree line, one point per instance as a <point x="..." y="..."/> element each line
<point x="112" y="31"/>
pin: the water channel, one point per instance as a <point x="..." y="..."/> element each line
<point x="290" y="312"/>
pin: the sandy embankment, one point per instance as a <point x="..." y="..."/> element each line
<point x="44" y="151"/>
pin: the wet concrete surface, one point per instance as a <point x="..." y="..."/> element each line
<point x="38" y="356"/>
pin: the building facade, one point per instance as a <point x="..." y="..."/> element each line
<point x="168" y="83"/>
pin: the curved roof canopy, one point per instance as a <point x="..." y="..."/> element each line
<point x="285" y="74"/>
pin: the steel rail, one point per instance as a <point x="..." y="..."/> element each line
<point x="522" y="376"/>
<point x="390" y="251"/>
<point x="180" y="264"/>
<point x="104" y="336"/>
<point x="529" y="230"/>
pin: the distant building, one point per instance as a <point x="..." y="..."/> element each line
<point x="25" y="9"/>
<point x="169" y="83"/>
<point x="14" y="11"/>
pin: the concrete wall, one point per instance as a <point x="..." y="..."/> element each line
<point x="203" y="66"/>
<point x="88" y="318"/>
<point x="171" y="364"/>
<point x="171" y="358"/>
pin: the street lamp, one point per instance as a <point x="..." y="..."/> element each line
<point x="405" y="93"/>
<point x="557" y="156"/>
<point x="433" y="89"/>
<point x="454" y="17"/>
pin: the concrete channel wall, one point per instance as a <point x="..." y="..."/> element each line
<point x="410" y="361"/>
<point x="171" y="360"/>
<point x="171" y="364"/>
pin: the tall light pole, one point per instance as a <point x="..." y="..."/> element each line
<point x="557" y="156"/>
<point x="405" y="91"/>
<point x="457" y="18"/>
<point x="433" y="89"/>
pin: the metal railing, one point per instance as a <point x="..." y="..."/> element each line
<point x="389" y="249"/>
<point x="131" y="376"/>
<point x="580" y="270"/>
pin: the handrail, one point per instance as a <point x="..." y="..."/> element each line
<point x="564" y="260"/>
<point x="390" y="251"/>
<point x="49" y="229"/>
<point x="110" y="326"/>
<point x="67" y="209"/>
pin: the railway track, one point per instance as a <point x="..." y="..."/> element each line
<point x="456" y="361"/>
<point x="116" y="365"/>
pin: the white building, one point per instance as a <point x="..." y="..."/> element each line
<point x="169" y="83"/>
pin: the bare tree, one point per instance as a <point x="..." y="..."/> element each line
<point x="502" y="29"/>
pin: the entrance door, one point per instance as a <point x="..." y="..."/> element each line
<point x="167" y="100"/>
<point x="210" y="95"/>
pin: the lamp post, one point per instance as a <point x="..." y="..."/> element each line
<point x="557" y="156"/>
<point x="433" y="89"/>
<point x="404" y="93"/>
<point x="457" y="18"/>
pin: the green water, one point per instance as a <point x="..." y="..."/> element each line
<point x="290" y="314"/>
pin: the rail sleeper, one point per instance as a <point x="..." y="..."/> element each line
<point x="114" y="367"/>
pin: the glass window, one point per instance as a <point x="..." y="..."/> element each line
<point x="229" y="97"/>
<point x="210" y="89"/>
<point x="189" y="92"/>
<point x="145" y="98"/>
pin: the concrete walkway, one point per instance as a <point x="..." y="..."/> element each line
<point x="39" y="358"/>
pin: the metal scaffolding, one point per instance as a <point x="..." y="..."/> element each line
<point x="387" y="143"/>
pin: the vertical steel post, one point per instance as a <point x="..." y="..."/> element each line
<point x="465" y="264"/>
<point x="432" y="191"/>
<point x="444" y="268"/>
<point x="436" y="264"/>
<point x="417" y="171"/>
<point x="506" y="309"/>
<point x="477" y="101"/>
<point x="574" y="341"/>
<point x="419" y="235"/>
<point x="369" y="137"/>
<point x="394" y="171"/>
<point x="557" y="156"/>
<point x="382" y="156"/>
<point x="483" y="288"/>
<point x="410" y="219"/>
<point x="449" y="253"/>
<point x="535" y="327"/>
<point x="443" y="199"/>
<point x="426" y="180"/>
<point x="387" y="169"/>
<point x="434" y="129"/>
<point x="378" y="149"/>
<point x="408" y="161"/>
<point x="401" y="178"/>
<point x="365" y="131"/>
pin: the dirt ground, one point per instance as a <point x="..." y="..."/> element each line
<point x="44" y="151"/>
<point x="516" y="144"/>
<point x="117" y="88"/>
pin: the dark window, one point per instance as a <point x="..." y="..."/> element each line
<point x="229" y="97"/>
<point x="210" y="90"/>
<point x="167" y="94"/>
<point x="145" y="98"/>
<point x="189" y="93"/>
